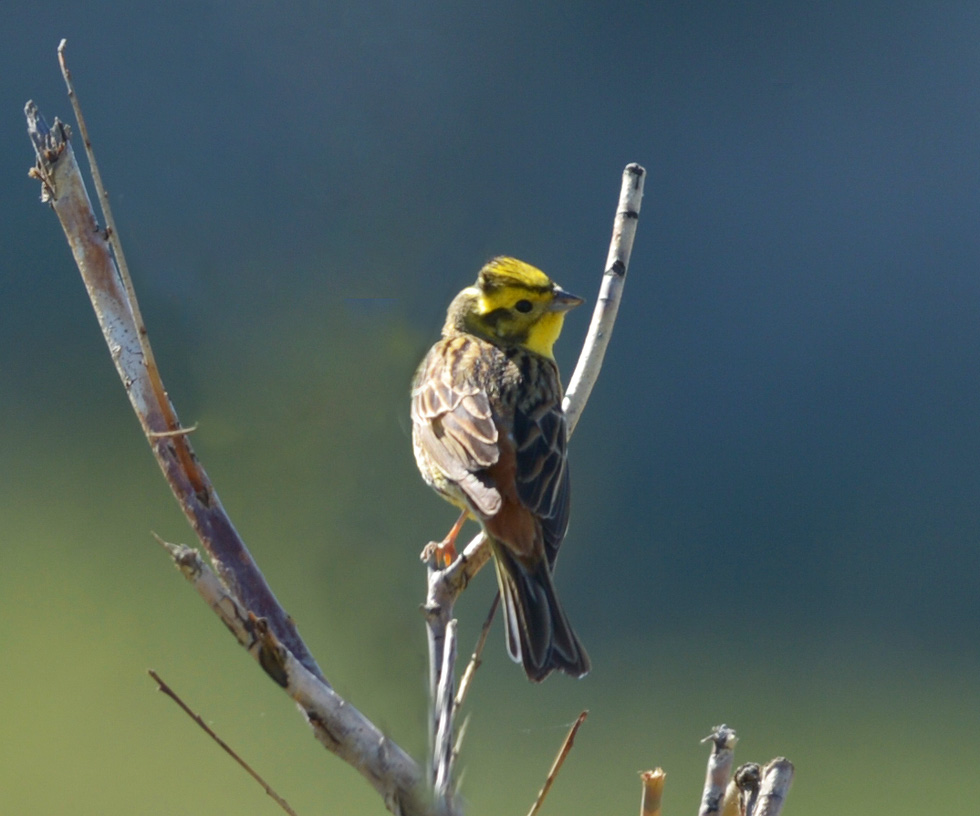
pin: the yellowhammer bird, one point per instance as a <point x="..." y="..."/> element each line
<point x="489" y="436"/>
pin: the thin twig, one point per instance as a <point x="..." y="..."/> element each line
<point x="653" y="791"/>
<point x="457" y="746"/>
<point x="722" y="740"/>
<point x="177" y="432"/>
<point x="563" y="752"/>
<point x="476" y="659"/>
<point x="110" y="222"/>
<point x="223" y="745"/>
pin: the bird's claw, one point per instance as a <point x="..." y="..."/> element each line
<point x="443" y="551"/>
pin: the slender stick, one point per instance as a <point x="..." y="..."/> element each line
<point x="610" y="293"/>
<point x="163" y="687"/>
<point x="443" y="749"/>
<point x="476" y="659"/>
<point x="566" y="746"/>
<point x="458" y="745"/>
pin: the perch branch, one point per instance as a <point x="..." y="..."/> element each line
<point x="443" y="750"/>
<point x="284" y="654"/>
<point x="444" y="586"/>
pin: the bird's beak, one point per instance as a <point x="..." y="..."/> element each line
<point x="563" y="301"/>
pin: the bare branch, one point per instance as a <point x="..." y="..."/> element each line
<point x="183" y="453"/>
<point x="163" y="687"/>
<point x="610" y="293"/>
<point x="442" y="751"/>
<point x="563" y="752"/>
<point x="241" y="594"/>
<point x="64" y="189"/>
<point x="339" y="727"/>
<point x="653" y="791"/>
<point x="720" y="761"/>
<point x="777" y="777"/>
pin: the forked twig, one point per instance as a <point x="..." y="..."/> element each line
<point x="161" y="686"/>
<point x="64" y="189"/>
<point x="476" y="659"/>
<point x="563" y="752"/>
<point x="444" y="586"/>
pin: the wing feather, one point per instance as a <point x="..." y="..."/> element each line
<point x="453" y="422"/>
<point x="540" y="436"/>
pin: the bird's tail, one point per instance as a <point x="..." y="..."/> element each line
<point x="538" y="633"/>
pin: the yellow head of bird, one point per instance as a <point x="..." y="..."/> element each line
<point x="513" y="304"/>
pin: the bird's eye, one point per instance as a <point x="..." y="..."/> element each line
<point x="523" y="306"/>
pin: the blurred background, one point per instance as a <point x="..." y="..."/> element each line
<point x="775" y="514"/>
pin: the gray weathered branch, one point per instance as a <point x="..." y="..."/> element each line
<point x="750" y="790"/>
<point x="720" y="761"/>
<point x="242" y="592"/>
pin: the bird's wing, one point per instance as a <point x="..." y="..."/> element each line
<point x="540" y="438"/>
<point x="453" y="423"/>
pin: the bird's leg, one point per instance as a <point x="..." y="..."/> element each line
<point x="445" y="550"/>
